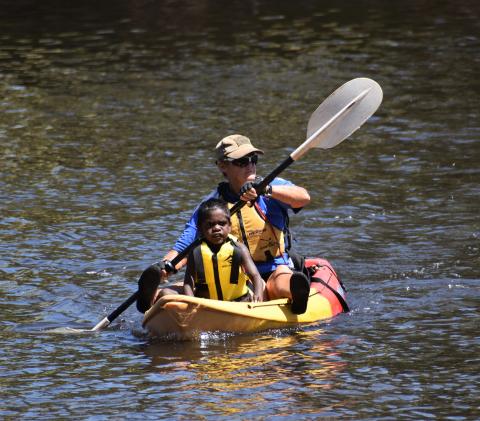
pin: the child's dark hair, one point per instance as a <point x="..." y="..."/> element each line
<point x="209" y="205"/>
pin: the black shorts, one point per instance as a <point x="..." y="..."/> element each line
<point x="266" y="275"/>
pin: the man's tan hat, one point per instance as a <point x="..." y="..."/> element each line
<point x="234" y="146"/>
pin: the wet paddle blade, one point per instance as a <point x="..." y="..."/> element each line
<point x="68" y="330"/>
<point x="343" y="112"/>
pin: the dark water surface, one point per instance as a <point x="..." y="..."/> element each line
<point x="109" y="113"/>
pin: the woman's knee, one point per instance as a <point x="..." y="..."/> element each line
<point x="278" y="284"/>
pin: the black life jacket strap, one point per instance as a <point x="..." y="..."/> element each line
<point x="242" y="229"/>
<point x="236" y="262"/>
<point x="196" y="253"/>
<point x="216" y="276"/>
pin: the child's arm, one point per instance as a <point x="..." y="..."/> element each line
<point x="188" y="283"/>
<point x="252" y="272"/>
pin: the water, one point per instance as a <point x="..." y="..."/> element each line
<point x="109" y="113"/>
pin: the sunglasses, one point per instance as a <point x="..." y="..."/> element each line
<point x="246" y="160"/>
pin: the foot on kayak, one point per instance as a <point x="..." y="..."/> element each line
<point x="147" y="286"/>
<point x="300" y="289"/>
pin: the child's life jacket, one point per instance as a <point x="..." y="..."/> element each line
<point x="220" y="272"/>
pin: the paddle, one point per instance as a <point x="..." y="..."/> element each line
<point x="336" y="118"/>
<point x="343" y="112"/>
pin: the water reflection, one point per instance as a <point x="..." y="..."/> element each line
<point x="234" y="369"/>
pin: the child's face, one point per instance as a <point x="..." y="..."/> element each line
<point x="216" y="227"/>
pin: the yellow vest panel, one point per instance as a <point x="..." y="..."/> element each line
<point x="264" y="241"/>
<point x="222" y="283"/>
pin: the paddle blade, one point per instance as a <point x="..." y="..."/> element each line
<point x="344" y="111"/>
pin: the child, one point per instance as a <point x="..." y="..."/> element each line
<point x="220" y="267"/>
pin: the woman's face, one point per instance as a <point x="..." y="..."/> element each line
<point x="236" y="175"/>
<point x="216" y="227"/>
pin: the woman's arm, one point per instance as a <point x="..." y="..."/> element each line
<point x="295" y="196"/>
<point x="284" y="191"/>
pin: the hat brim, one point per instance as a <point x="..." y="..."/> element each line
<point x="243" y="150"/>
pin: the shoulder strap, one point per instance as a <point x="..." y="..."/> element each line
<point x="236" y="262"/>
<point x="216" y="275"/>
<point x="288" y="233"/>
<point x="242" y="229"/>
<point x="260" y="211"/>
<point x="222" y="188"/>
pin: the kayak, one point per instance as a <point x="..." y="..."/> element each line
<point x="187" y="316"/>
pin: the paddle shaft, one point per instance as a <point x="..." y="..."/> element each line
<point x="114" y="314"/>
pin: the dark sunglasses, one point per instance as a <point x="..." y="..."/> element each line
<point x="246" y="160"/>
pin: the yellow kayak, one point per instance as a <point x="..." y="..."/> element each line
<point x="185" y="316"/>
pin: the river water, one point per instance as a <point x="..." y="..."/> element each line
<point x="109" y="113"/>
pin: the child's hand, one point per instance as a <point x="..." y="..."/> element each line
<point x="258" y="297"/>
<point x="164" y="277"/>
<point x="166" y="269"/>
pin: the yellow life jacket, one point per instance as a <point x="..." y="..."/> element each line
<point x="221" y="272"/>
<point x="263" y="240"/>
